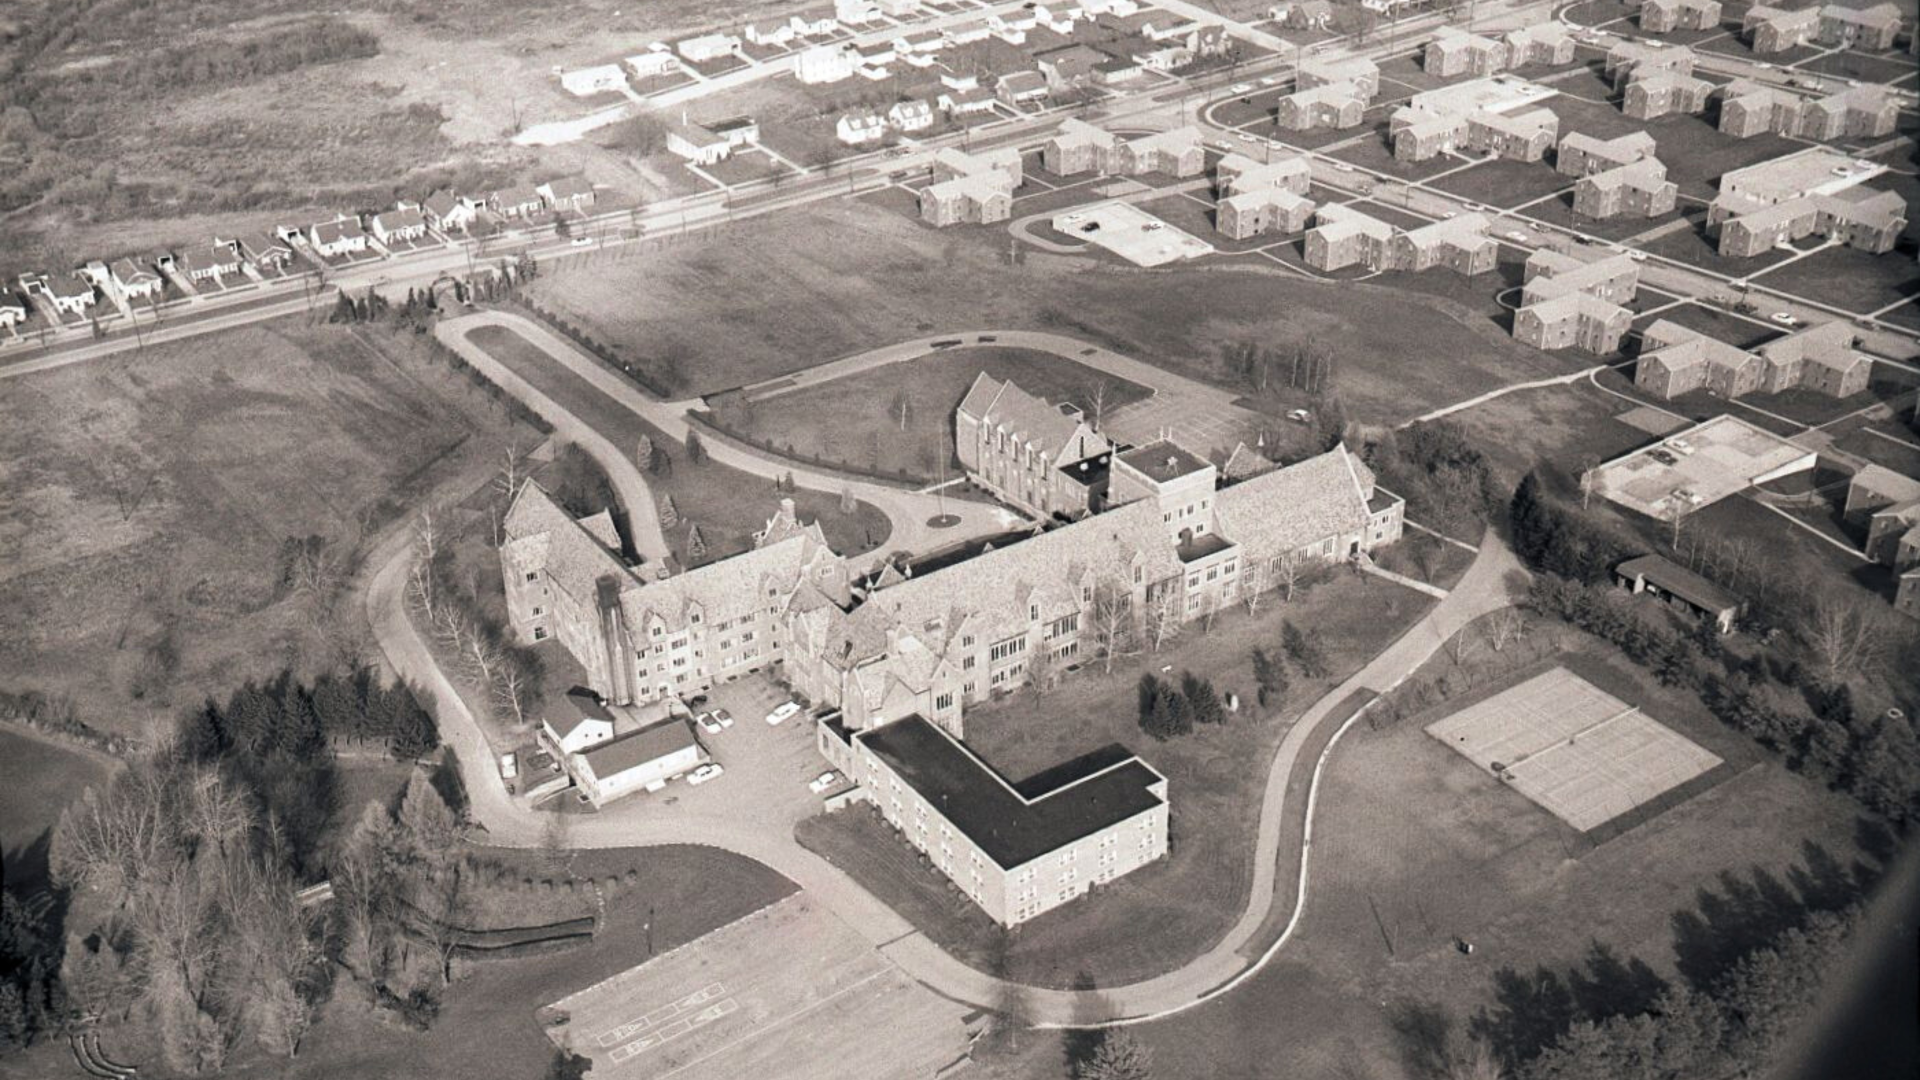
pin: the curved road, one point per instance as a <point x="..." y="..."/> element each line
<point x="1486" y="587"/>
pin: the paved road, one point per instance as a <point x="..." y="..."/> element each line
<point x="908" y="511"/>
<point x="629" y="484"/>
<point x="1282" y="837"/>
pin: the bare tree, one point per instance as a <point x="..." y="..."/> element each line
<point x="420" y="584"/>
<point x="1162" y="618"/>
<point x="1462" y="644"/>
<point x="1843" y="637"/>
<point x="1097" y="401"/>
<point x="1253" y="584"/>
<point x="1111" y="622"/>
<point x="515" y="678"/>
<point x="1504" y="626"/>
<point x="1286" y="573"/>
<point x="1040" y="669"/>
<point x="1210" y="610"/>
<point x="363" y="881"/>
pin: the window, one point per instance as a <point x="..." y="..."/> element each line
<point x="1033" y="612"/>
<point x="696" y="618"/>
<point x="944" y="701"/>
<point x="539" y="633"/>
<point x="537" y="612"/>
<point x="1193" y="581"/>
<point x="656" y="630"/>
<point x="1137" y="573"/>
<point x="966" y="664"/>
<point x="1213" y="574"/>
<point x="1009" y="647"/>
<point x="966" y="641"/>
<point x="533" y="577"/>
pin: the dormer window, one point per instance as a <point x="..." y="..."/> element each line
<point x="1033" y="612"/>
<point x="656" y="630"/>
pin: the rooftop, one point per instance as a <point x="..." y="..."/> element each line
<point x="1164" y="461"/>
<point x="1013" y="824"/>
<point x="637" y="748"/>
<point x="1815" y="170"/>
<point x="1680" y="581"/>
<point x="1699" y="466"/>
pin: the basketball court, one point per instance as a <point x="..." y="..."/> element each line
<point x="789" y="991"/>
<point x="1582" y="754"/>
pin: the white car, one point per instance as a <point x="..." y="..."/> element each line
<point x="1637" y="256"/>
<point x="1270" y="80"/>
<point x="782" y="712"/>
<point x="582" y="241"/>
<point x="1517" y="236"/>
<point x="509" y="766"/>
<point x="1784" y="319"/>
<point x="724" y="717"/>
<point x="821" y="783"/>
<point x="705" y="773"/>
<point x="1451" y="214"/>
<point x="1300" y="416"/>
<point x="707" y="723"/>
<point x="1342" y="166"/>
<point x="1244" y="137"/>
<point x="1240" y="88"/>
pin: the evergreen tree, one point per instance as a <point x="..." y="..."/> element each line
<point x="336" y="703"/>
<point x="1305" y="653"/>
<point x="1203" y="704"/>
<point x="1147" y="692"/>
<point x="13" y="1016"/>
<point x="251" y="717"/>
<point x="1270" y="675"/>
<point x="1886" y="767"/>
<point x="200" y="734"/>
<point x="1119" y="1057"/>
<point x="696" y="450"/>
<point x="298" y="732"/>
<point x="427" y="824"/>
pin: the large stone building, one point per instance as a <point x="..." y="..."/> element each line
<point x="1815" y="191"/>
<point x="1044" y="458"/>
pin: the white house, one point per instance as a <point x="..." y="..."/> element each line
<point x="859" y="129"/>
<point x="449" y="212"/>
<point x="70" y="293"/>
<point x="210" y="263"/>
<point x="403" y="223"/>
<point x="581" y="722"/>
<point x="914" y="115"/>
<point x="819" y="26"/>
<point x="636" y="761"/>
<point x="516" y="202"/>
<point x="341" y="236"/>
<point x="566" y="193"/>
<point x="647" y="65"/>
<point x="586" y="82"/>
<point x="133" y="281"/>
<point x="774" y="34"/>
<point x="708" y="47"/>
<point x="13" y="310"/>
<point x="823" y="64"/>
<point x="698" y="143"/>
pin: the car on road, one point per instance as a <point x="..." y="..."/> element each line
<point x="1244" y="137"/>
<point x="821" y="783"/>
<point x="509" y="766"/>
<point x="707" y="723"/>
<point x="1784" y="318"/>
<point x="782" y="712"/>
<point x="1516" y="236"/>
<point x="582" y="241"/>
<point x="704" y="773"/>
<point x="1270" y="80"/>
<point x="1342" y="166"/>
<point x="1240" y="88"/>
<point x="1637" y="256"/>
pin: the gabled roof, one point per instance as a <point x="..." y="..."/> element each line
<point x="1050" y="428"/>
<point x="637" y="748"/>
<point x="1286" y="509"/>
<point x="582" y="707"/>
<point x="395" y="220"/>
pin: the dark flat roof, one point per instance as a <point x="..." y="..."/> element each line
<point x="1681" y="582"/>
<point x="1091" y="470"/>
<point x="1015" y="823"/>
<point x="1164" y="460"/>
<point x="1199" y="547"/>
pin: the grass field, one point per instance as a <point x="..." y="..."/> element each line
<point x="38" y="778"/>
<point x="816" y="424"/>
<point x="726" y="503"/>
<point x="840" y="279"/>
<point x="146" y="505"/>
<point x="1849" y="279"/>
<point x="1157" y="917"/>
<point x="1454" y="854"/>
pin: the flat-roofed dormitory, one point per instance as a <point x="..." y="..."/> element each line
<point x="1016" y="849"/>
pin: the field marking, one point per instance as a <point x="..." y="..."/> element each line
<point x="790" y="1017"/>
<point x="615" y="1035"/>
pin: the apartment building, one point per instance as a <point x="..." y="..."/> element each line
<point x="1637" y="189"/>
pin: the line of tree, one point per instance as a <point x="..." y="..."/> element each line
<point x="1752" y="954"/>
<point x="212" y="61"/>
<point x="512" y="674"/>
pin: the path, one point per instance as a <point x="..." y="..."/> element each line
<point x="1485" y="587"/>
<point x="643" y="515"/>
<point x="908" y="511"/>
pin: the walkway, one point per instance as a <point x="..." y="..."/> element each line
<point x="908" y="511"/>
<point x="1486" y="587"/>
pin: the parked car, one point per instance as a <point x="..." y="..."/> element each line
<point x="819" y="784"/>
<point x="1662" y="456"/>
<point x="1637" y="256"/>
<point x="1300" y="416"/>
<point x="707" y="723"/>
<point x="697" y="701"/>
<point x="1784" y="318"/>
<point x="782" y="712"/>
<point x="1244" y="137"/>
<point x="705" y="773"/>
<point x="582" y="241"/>
<point x="1516" y="236"/>
<point x="1240" y="88"/>
<point x="724" y="717"/>
<point x="509" y="766"/>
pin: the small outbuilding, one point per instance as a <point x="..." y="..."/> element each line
<point x="1675" y="584"/>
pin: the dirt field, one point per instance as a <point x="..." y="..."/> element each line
<point x="839" y="279"/>
<point x="146" y="505"/>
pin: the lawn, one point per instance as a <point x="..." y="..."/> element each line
<point x="1506" y="184"/>
<point x="1452" y="854"/>
<point x="38" y="779"/>
<point x="1155" y="918"/>
<point x="727" y="504"/>
<point x="1848" y="278"/>
<point x="148" y="503"/>
<point x="816" y="423"/>
<point x="487" y="1025"/>
<point x="834" y="280"/>
<point x="1556" y="427"/>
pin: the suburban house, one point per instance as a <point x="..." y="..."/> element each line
<point x="1117" y="70"/>
<point x="1667" y="581"/>
<point x="1773" y="30"/>
<point x="1343" y="236"/>
<point x="1079" y="147"/>
<point x="1459" y="244"/>
<point x="739" y="131"/>
<point x="133" y="281"/>
<point x="449" y="212"/>
<point x="70" y="294"/>
<point x="772" y="34"/>
<point x="911" y="115"/>
<point x="1451" y="52"/>
<point x="1541" y="43"/>
<point x="1176" y="153"/>
<point x="698" y="143"/>
<point x="341" y="236"/>
<point x="707" y="47"/>
<point x="268" y="252"/>
<point x="966" y="101"/>
<point x="1872" y="28"/>
<point x="638" y="760"/>
<point x="1022" y="88"/>
<point x="1888" y="505"/>
<point x="586" y="82"/>
<point x="824" y="64"/>
<point x="567" y="193"/>
<point x="1636" y="189"/>
<point x="652" y="63"/>
<point x="1666" y="16"/>
<point x="813" y="24"/>
<point x="209" y="262"/>
<point x="1015" y="849"/>
<point x="1748" y="109"/>
<point x="1303" y="14"/>
<point x="1573" y="320"/>
<point x="396" y="226"/>
<point x="1581" y="154"/>
<point x="860" y="128"/>
<point x="1863" y="112"/>
<point x="1027" y="451"/>
<point x="516" y="202"/>
<point x="1361" y="72"/>
<point x="1664" y="92"/>
<point x="1338" y="106"/>
<point x="975" y="189"/>
<point x="1068" y="66"/>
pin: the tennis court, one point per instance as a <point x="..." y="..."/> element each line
<point x="1579" y="752"/>
<point x="789" y="991"/>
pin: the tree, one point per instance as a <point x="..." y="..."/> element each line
<point x="696" y="450"/>
<point x="1886" y="768"/>
<point x="1203" y="703"/>
<point x="1162" y="618"/>
<point x="1119" y="1057"/>
<point x="1253" y="584"/>
<point x="1305" y="653"/>
<point x="1111" y="621"/>
<point x="363" y="878"/>
<point x="1270" y="676"/>
<point x="1040" y="669"/>
<point x="428" y="830"/>
<point x="901" y="408"/>
<point x="567" y="1065"/>
<point x="420" y="572"/>
<point x="1841" y="635"/>
<point x="1287" y="571"/>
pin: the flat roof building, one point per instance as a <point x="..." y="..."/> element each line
<point x="1697" y="467"/>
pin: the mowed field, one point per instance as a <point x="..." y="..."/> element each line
<point x="147" y="504"/>
<point x="787" y="292"/>
<point x="38" y="778"/>
<point x="1454" y="854"/>
<point x="932" y="387"/>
